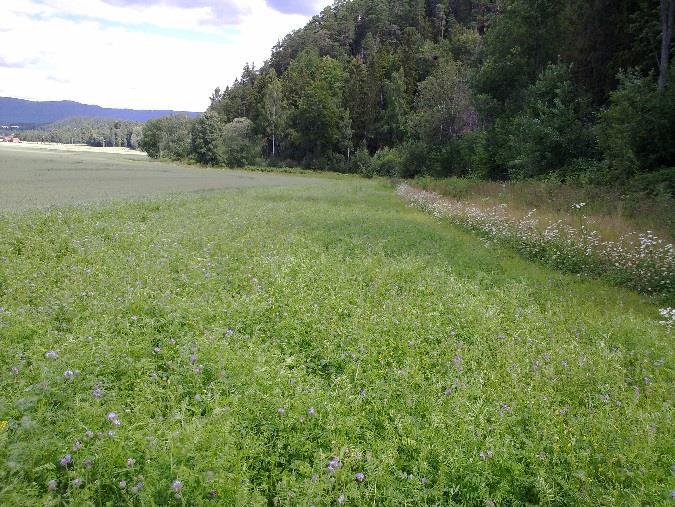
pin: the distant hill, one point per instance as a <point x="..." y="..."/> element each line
<point x="28" y="113"/>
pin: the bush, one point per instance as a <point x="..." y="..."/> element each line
<point x="636" y="131"/>
<point x="387" y="162"/>
<point x="361" y="162"/>
<point x="414" y="159"/>
<point x="551" y="131"/>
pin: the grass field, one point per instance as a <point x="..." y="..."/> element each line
<point x="33" y="175"/>
<point x="316" y="345"/>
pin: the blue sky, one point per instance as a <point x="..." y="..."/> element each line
<point x="149" y="54"/>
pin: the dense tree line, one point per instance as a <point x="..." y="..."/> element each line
<point x="90" y="131"/>
<point x="499" y="89"/>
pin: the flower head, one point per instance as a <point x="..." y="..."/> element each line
<point x="360" y="476"/>
<point x="51" y="485"/>
<point x="51" y="354"/>
<point x="177" y="486"/>
<point x="66" y="460"/>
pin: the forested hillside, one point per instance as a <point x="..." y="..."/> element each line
<point x="90" y="131"/>
<point x="572" y="90"/>
<point x="28" y="112"/>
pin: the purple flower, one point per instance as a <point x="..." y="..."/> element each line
<point x="193" y="358"/>
<point x="97" y="393"/>
<point x="315" y="478"/>
<point x="69" y="374"/>
<point x="14" y="370"/>
<point x="281" y="410"/>
<point x="176" y="486"/>
<point x="359" y="476"/>
<point x="77" y="482"/>
<point x="117" y="423"/>
<point x="334" y="464"/>
<point x="51" y="485"/>
<point x="311" y="411"/>
<point x="425" y="481"/>
<point x="112" y="416"/>
<point x="66" y="460"/>
<point x="111" y="434"/>
<point x="131" y="462"/>
<point x="157" y="350"/>
<point x="229" y="333"/>
<point x="122" y="484"/>
<point x="89" y="434"/>
<point x="51" y="354"/>
<point x="505" y="409"/>
<point x="77" y="446"/>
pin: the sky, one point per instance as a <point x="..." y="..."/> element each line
<point x="140" y="54"/>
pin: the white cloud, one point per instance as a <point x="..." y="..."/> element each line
<point x="148" y="57"/>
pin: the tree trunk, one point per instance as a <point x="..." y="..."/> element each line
<point x="667" y="10"/>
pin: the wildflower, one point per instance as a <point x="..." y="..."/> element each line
<point x="359" y="476"/>
<point x="172" y="341"/>
<point x="14" y="370"/>
<point x="51" y="354"/>
<point x="131" y="462"/>
<point x="122" y="484"/>
<point x="88" y="463"/>
<point x="333" y="465"/>
<point x="315" y="478"/>
<point x="311" y="411"/>
<point x="448" y="391"/>
<point x="134" y="318"/>
<point x="112" y="416"/>
<point x="177" y="486"/>
<point x="505" y="409"/>
<point x="229" y="333"/>
<point x="648" y="380"/>
<point x="198" y="369"/>
<point x="77" y="446"/>
<point x="51" y="485"/>
<point x="111" y="434"/>
<point x="212" y="494"/>
<point x="66" y="460"/>
<point x="97" y="393"/>
<point x="77" y="482"/>
<point x="341" y="500"/>
<point x="486" y="454"/>
<point x="157" y="350"/>
<point x="193" y="358"/>
<point x="281" y="410"/>
<point x="425" y="481"/>
<point x="198" y="397"/>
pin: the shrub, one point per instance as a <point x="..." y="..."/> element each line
<point x="362" y="163"/>
<point x="387" y="162"/>
<point x="636" y="131"/>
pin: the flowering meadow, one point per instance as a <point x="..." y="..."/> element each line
<point x="318" y="345"/>
<point x="641" y="261"/>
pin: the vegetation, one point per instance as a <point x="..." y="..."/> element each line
<point x="316" y="345"/>
<point x="490" y="89"/>
<point x="89" y="131"/>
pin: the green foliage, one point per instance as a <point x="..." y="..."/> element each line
<point x="362" y="163"/>
<point x="387" y="162"/>
<point x="636" y="131"/>
<point x="168" y="137"/>
<point x="89" y="131"/>
<point x="551" y="132"/>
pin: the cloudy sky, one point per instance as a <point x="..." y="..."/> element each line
<point x="142" y="54"/>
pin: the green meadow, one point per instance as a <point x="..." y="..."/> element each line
<point x="316" y="344"/>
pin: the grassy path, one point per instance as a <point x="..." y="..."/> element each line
<point x="267" y="345"/>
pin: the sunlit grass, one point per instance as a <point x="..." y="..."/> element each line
<point x="311" y="346"/>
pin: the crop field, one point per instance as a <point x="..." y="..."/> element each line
<point x="315" y="343"/>
<point x="33" y="175"/>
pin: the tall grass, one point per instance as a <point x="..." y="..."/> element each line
<point x="638" y="260"/>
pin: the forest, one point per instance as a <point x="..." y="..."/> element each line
<point x="572" y="91"/>
<point x="89" y="131"/>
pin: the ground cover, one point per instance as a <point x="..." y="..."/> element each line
<point x="317" y="345"/>
<point x="33" y="175"/>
